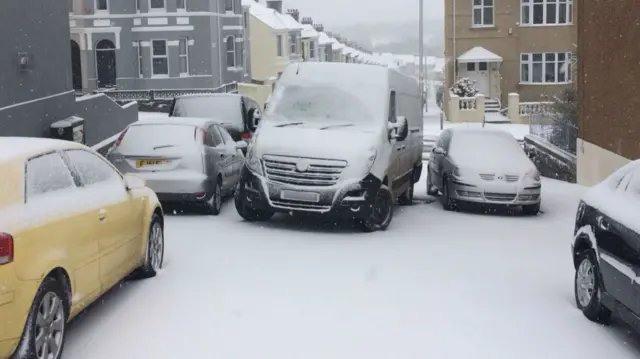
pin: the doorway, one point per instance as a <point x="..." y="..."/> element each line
<point x="106" y="64"/>
<point x="76" y="66"/>
<point x="479" y="72"/>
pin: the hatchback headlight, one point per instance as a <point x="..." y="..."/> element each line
<point x="253" y="162"/>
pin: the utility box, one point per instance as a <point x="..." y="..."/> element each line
<point x="69" y="129"/>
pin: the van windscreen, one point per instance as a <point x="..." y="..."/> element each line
<point x="222" y="108"/>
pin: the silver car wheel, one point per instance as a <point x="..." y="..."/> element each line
<point x="49" y="326"/>
<point x="217" y="198"/>
<point x="156" y="246"/>
<point x="585" y="282"/>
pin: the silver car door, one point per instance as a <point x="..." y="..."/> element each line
<point x="216" y="156"/>
<point x="236" y="155"/>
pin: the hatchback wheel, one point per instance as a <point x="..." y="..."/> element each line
<point x="431" y="189"/>
<point x="447" y="203"/>
<point x="154" y="257"/>
<point x="587" y="289"/>
<point x="45" y="329"/>
<point x="382" y="212"/>
<point x="214" y="204"/>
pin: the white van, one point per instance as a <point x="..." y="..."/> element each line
<point x="337" y="139"/>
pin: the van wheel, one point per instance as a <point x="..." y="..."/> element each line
<point x="45" y="329"/>
<point x="382" y="212"/>
<point x="406" y="198"/>
<point x="250" y="214"/>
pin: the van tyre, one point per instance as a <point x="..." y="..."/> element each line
<point x="588" y="290"/>
<point x="448" y="204"/>
<point x="154" y="255"/>
<point x="250" y="214"/>
<point x="382" y="212"/>
<point x="214" y="204"/>
<point x="531" y="209"/>
<point x="45" y="328"/>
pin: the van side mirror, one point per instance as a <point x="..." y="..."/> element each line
<point x="398" y="130"/>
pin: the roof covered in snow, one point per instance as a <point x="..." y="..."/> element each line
<point x="309" y="32"/>
<point x="479" y="54"/>
<point x="323" y="39"/>
<point x="270" y="17"/>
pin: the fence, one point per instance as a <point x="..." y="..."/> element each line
<point x="555" y="130"/>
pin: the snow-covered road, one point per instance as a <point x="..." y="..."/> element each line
<point x="435" y="285"/>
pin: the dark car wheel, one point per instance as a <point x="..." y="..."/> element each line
<point x="406" y="198"/>
<point x="382" y="213"/>
<point x="587" y="289"/>
<point x="447" y="203"/>
<point x="250" y="214"/>
<point x="214" y="204"/>
<point x="45" y="329"/>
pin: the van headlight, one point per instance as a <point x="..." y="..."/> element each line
<point x="253" y="162"/>
<point x="533" y="175"/>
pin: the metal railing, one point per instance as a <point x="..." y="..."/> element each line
<point x="552" y="128"/>
<point x="164" y="95"/>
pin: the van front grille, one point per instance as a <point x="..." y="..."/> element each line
<point x="301" y="171"/>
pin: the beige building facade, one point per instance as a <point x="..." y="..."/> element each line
<point x="521" y="46"/>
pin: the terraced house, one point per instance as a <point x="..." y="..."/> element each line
<point x="511" y="46"/>
<point x="157" y="44"/>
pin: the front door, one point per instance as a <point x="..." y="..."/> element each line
<point x="76" y="66"/>
<point x="479" y="72"/>
<point x="106" y="64"/>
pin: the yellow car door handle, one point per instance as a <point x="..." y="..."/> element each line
<point x="102" y="215"/>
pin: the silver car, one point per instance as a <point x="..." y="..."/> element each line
<point x="183" y="161"/>
<point x="484" y="166"/>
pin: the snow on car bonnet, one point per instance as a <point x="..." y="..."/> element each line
<point x="488" y="150"/>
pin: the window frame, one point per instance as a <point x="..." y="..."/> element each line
<point x="292" y="44"/>
<point x="231" y="8"/>
<point x="184" y="6"/>
<point x="312" y="49"/>
<point x="531" y="5"/>
<point x="228" y="51"/>
<point x="154" y="9"/>
<point x="482" y="6"/>
<point x="140" y="60"/>
<point x="279" y="45"/>
<point x="184" y="56"/>
<point x="138" y="6"/>
<point x="165" y="56"/>
<point x="529" y="64"/>
<point x="100" y="11"/>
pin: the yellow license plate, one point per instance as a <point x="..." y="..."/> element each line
<point x="144" y="163"/>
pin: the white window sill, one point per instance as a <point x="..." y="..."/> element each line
<point x="159" y="76"/>
<point x="184" y="75"/>
<point x="544" y="83"/>
<point x="181" y="10"/>
<point x="230" y="12"/>
<point x="235" y="69"/>
<point x="545" y="25"/>
<point x="158" y="11"/>
<point x="101" y="12"/>
<point x="493" y="26"/>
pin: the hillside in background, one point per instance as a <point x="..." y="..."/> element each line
<point x="397" y="37"/>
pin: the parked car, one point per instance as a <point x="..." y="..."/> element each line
<point x="190" y="160"/>
<point x="71" y="227"/>
<point x="339" y="140"/>
<point x="238" y="114"/>
<point x="483" y="165"/>
<point x="606" y="248"/>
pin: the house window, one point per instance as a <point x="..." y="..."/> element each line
<point x="482" y="13"/>
<point x="246" y="22"/>
<point x="70" y="3"/>
<point x="293" y="42"/>
<point x="157" y="5"/>
<point x="181" y="5"/>
<point x="160" y="58"/>
<point x="546" y="12"/>
<point x="482" y="66"/>
<point x="231" y="51"/>
<point x="239" y="53"/>
<point x="102" y="5"/>
<point x="183" y="56"/>
<point x="279" y="45"/>
<point x="138" y="5"/>
<point x="140" y="63"/>
<point x="228" y="5"/>
<point x="545" y="68"/>
<point x="471" y="66"/>
<point x="312" y="49"/>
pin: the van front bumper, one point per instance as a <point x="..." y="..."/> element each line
<point x="350" y="199"/>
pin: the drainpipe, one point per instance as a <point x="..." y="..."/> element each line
<point x="455" y="57"/>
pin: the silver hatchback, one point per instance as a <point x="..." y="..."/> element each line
<point x="183" y="161"/>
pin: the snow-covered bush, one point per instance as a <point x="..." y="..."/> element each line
<point x="465" y="87"/>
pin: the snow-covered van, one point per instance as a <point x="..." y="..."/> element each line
<point x="337" y="139"/>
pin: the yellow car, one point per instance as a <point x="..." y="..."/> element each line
<point x="71" y="227"/>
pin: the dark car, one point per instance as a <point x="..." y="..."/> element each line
<point x="606" y="248"/>
<point x="238" y="114"/>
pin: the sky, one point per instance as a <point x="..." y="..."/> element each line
<point x="347" y="12"/>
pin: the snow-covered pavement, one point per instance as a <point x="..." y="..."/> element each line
<point x="435" y="285"/>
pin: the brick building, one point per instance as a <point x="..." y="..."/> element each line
<point x="608" y="87"/>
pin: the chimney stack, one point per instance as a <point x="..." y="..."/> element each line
<point x="275" y="5"/>
<point x="307" y="21"/>
<point x="319" y="27"/>
<point x="295" y="14"/>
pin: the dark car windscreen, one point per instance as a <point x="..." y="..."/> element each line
<point x="321" y="104"/>
<point x="149" y="136"/>
<point x="223" y="108"/>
